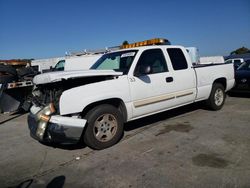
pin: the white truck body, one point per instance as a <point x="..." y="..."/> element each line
<point x="140" y="95"/>
<point x="59" y="76"/>
<point x="199" y="83"/>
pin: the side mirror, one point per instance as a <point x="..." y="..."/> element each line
<point x="143" y="70"/>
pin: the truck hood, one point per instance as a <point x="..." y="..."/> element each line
<point x="64" y="75"/>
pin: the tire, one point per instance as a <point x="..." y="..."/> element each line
<point x="217" y="97"/>
<point x="104" y="127"/>
<point x="8" y="69"/>
<point x="7" y="78"/>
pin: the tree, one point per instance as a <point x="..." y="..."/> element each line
<point x="241" y="50"/>
<point x="125" y="42"/>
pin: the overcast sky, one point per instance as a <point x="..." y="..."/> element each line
<point x="49" y="28"/>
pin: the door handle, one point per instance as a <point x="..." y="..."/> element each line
<point x="169" y="79"/>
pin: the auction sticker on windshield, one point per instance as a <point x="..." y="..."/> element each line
<point x="128" y="54"/>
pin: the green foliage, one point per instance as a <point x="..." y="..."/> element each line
<point x="125" y="42"/>
<point x="241" y="50"/>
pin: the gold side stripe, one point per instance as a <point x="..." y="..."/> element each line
<point x="184" y="94"/>
<point x="157" y="99"/>
<point x="153" y="100"/>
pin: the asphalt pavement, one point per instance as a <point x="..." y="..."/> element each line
<point x="185" y="147"/>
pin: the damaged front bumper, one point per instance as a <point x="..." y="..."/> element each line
<point x="46" y="127"/>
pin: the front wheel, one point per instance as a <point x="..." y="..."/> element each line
<point x="217" y="97"/>
<point x="104" y="127"/>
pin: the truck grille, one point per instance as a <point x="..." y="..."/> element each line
<point x="42" y="97"/>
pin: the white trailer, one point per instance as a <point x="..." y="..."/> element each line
<point x="45" y="64"/>
<point x="212" y="59"/>
<point x="85" y="59"/>
<point x="83" y="62"/>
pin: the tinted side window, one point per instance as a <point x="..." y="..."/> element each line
<point x="153" y="58"/>
<point x="177" y="58"/>
<point x="60" y="65"/>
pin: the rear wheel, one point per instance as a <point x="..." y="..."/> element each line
<point x="104" y="127"/>
<point x="217" y="97"/>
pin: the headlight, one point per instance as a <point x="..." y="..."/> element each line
<point x="41" y="129"/>
<point x="44" y="116"/>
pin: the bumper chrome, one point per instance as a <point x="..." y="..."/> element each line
<point x="56" y="128"/>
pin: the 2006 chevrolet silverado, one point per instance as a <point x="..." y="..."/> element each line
<point x="124" y="85"/>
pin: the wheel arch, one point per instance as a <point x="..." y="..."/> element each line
<point x="116" y="102"/>
<point x="222" y="81"/>
<point x="213" y="97"/>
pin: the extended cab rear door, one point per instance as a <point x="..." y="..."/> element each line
<point x="184" y="78"/>
<point x="162" y="87"/>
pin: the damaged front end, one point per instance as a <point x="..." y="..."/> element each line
<point x="46" y="126"/>
<point x="45" y="122"/>
<point x="38" y="120"/>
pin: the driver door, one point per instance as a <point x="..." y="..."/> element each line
<point x="151" y="84"/>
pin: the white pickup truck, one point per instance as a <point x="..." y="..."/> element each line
<point x="122" y="86"/>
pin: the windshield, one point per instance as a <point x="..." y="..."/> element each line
<point x="245" y="66"/>
<point x="117" y="61"/>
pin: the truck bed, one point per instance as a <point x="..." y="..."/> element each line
<point x="207" y="74"/>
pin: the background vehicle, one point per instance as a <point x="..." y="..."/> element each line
<point x="44" y="65"/>
<point x="82" y="62"/>
<point x="242" y="78"/>
<point x="141" y="79"/>
<point x="237" y="62"/>
<point x="58" y="67"/>
<point x="15" y="87"/>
